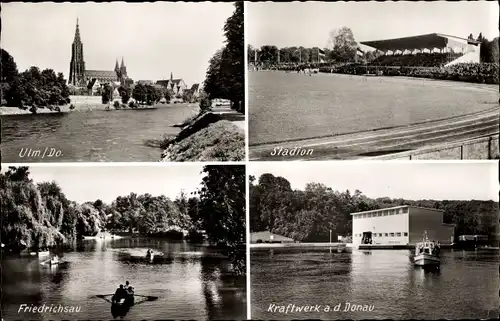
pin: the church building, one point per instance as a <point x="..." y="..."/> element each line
<point x="81" y="77"/>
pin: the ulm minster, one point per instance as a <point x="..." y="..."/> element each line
<point x="93" y="82"/>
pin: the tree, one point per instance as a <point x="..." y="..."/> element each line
<point x="251" y="54"/>
<point x="213" y="85"/>
<point x="139" y="93"/>
<point x="8" y="67"/>
<point x="152" y="95"/>
<point x="222" y="210"/>
<point x="343" y="44"/>
<point x="225" y="75"/>
<point x="268" y="55"/>
<point x="124" y="93"/>
<point x="107" y="93"/>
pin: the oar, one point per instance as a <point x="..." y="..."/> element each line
<point x="103" y="296"/>
<point x="149" y="297"/>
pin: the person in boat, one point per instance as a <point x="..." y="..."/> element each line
<point x="120" y="293"/>
<point x="128" y="288"/>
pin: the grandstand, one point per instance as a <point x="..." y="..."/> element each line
<point x="429" y="50"/>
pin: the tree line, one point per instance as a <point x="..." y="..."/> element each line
<point x="342" y="47"/>
<point x="40" y="215"/>
<point x="225" y="78"/>
<point x="308" y="215"/>
<point x="32" y="88"/>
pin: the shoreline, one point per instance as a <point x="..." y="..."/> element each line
<point x="80" y="106"/>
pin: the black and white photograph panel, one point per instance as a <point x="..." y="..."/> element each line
<point x="115" y="242"/>
<point x="373" y="80"/>
<point x="122" y="82"/>
<point x="374" y="240"/>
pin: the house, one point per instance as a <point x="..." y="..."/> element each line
<point x="94" y="87"/>
<point x="195" y="90"/>
<point x="268" y="237"/>
<point x="176" y="86"/>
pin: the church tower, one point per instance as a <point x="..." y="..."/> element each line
<point x="77" y="65"/>
<point x="123" y="70"/>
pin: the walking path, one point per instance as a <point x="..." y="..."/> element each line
<point x="227" y="113"/>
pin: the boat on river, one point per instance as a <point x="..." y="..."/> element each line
<point x="40" y="254"/>
<point x="54" y="261"/>
<point x="121" y="306"/>
<point x="427" y="253"/>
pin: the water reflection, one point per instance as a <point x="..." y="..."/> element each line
<point x="194" y="284"/>
<point x="386" y="280"/>
<point x="91" y="135"/>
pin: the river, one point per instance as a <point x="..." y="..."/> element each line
<point x="92" y="135"/>
<point x="192" y="283"/>
<point x="290" y="106"/>
<point x="465" y="287"/>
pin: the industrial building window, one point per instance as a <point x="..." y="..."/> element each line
<point x="405" y="234"/>
<point x="380" y="234"/>
<point x="385" y="213"/>
<point x="392" y="234"/>
<point x="398" y="234"/>
<point x="379" y="214"/>
<point x="405" y="210"/>
<point x="386" y="234"/>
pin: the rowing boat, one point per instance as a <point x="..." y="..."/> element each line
<point x="119" y="308"/>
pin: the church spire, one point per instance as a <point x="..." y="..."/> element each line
<point x="171" y="76"/>
<point x="77" y="32"/>
<point x="122" y="65"/>
<point x="117" y="69"/>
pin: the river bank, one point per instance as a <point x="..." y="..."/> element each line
<point x="207" y="137"/>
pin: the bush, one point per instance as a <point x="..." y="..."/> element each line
<point x="205" y="104"/>
<point x="132" y="104"/>
<point x="116" y="104"/>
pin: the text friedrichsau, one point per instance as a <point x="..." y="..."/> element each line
<point x="52" y="308"/>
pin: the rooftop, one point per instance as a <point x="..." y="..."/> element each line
<point x="397" y="207"/>
<point x="431" y="40"/>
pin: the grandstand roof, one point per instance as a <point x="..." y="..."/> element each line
<point x="428" y="41"/>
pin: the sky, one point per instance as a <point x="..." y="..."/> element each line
<point x="82" y="183"/>
<point x="414" y="181"/>
<point x="155" y="39"/>
<point x="309" y="24"/>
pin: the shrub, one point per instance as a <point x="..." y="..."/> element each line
<point x="116" y="104"/>
<point x="205" y="104"/>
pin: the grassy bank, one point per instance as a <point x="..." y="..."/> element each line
<point x="220" y="140"/>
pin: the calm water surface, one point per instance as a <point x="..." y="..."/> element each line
<point x="192" y="283"/>
<point x="286" y="106"/>
<point x="91" y="136"/>
<point x="465" y="287"/>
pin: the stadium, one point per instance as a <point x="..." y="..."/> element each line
<point x="427" y="96"/>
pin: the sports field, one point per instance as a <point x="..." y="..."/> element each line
<point x="286" y="106"/>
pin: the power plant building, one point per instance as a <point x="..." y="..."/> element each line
<point x="401" y="225"/>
